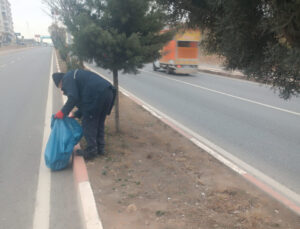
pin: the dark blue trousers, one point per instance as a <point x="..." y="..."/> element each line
<point x="93" y="126"/>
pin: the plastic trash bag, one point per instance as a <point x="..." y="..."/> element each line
<point x="65" y="134"/>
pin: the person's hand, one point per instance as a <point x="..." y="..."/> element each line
<point x="59" y="115"/>
<point x="71" y="115"/>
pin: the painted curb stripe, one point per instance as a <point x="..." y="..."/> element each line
<point x="218" y="157"/>
<point x="272" y="192"/>
<point x="176" y="128"/>
<point x="151" y="111"/>
<point x="86" y="197"/>
<point x="88" y="206"/>
<point x="80" y="171"/>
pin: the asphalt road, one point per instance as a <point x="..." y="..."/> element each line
<point x="244" y="118"/>
<point x="24" y="76"/>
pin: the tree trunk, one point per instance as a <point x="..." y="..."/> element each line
<point x="116" y="85"/>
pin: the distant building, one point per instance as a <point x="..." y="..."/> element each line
<point x="6" y="24"/>
<point x="29" y="42"/>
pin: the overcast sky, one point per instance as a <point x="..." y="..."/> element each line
<point x="29" y="17"/>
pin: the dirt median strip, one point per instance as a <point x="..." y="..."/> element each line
<point x="153" y="177"/>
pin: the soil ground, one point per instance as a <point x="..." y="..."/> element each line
<point x="152" y="177"/>
<point x="211" y="59"/>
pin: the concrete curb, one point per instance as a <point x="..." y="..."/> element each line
<point x="222" y="72"/>
<point x="85" y="193"/>
<point x="232" y="163"/>
<point x="88" y="208"/>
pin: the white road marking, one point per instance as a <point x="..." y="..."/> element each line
<point x="124" y="93"/>
<point x="218" y="156"/>
<point x="226" y="94"/>
<point x="91" y="217"/>
<point x="41" y="216"/>
<point x="151" y="111"/>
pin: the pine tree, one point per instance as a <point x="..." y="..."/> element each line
<point x="119" y="35"/>
<point x="58" y="36"/>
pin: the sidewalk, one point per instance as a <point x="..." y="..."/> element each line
<point x="9" y="49"/>
<point x="219" y="70"/>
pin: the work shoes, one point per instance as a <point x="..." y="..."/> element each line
<point x="87" y="155"/>
<point x="79" y="152"/>
<point x="101" y="152"/>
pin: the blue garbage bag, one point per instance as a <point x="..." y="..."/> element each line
<point x="65" y="134"/>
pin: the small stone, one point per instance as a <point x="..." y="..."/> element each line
<point x="131" y="208"/>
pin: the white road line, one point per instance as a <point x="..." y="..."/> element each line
<point x="218" y="156"/>
<point x="226" y="94"/>
<point x="151" y="111"/>
<point x="41" y="216"/>
<point x="124" y="93"/>
<point x="89" y="208"/>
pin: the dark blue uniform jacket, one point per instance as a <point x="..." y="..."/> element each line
<point x="85" y="90"/>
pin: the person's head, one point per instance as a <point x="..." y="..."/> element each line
<point x="57" y="78"/>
